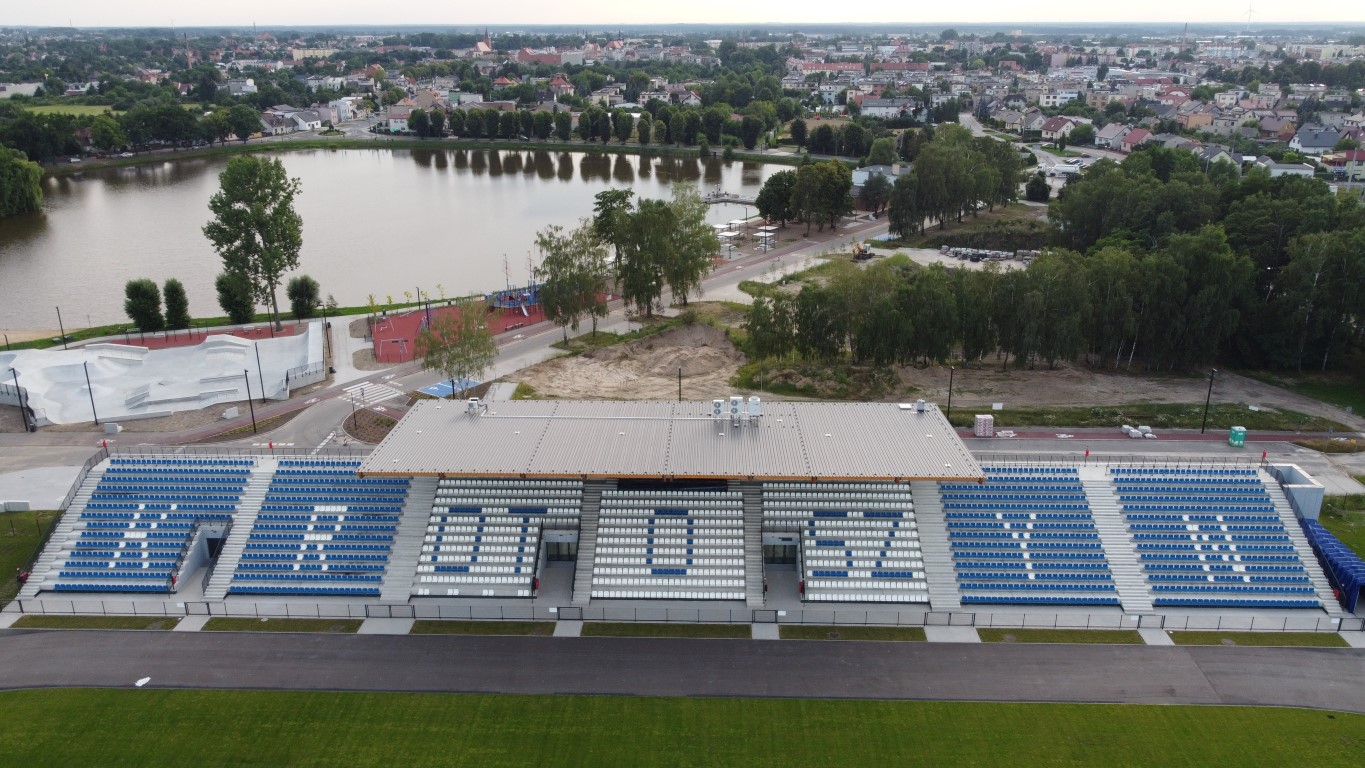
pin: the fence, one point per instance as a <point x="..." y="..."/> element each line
<point x="303" y="375"/>
<point x="12" y="395"/>
<point x="235" y="452"/>
<point x="680" y="615"/>
<point x="1121" y="459"/>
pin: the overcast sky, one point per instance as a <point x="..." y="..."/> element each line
<point x="599" y="13"/>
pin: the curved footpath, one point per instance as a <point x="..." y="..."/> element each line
<point x="1317" y="678"/>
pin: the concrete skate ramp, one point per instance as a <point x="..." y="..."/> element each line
<point x="132" y="382"/>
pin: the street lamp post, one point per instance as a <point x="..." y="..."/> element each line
<point x="950" y="392"/>
<point x="247" y="376"/>
<point x="91" y="390"/>
<point x="61" y="327"/>
<point x="1207" y="399"/>
<point x="260" y="374"/>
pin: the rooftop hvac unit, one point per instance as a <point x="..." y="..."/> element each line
<point x="717" y="408"/>
<point x="755" y="407"/>
<point x="919" y="405"/>
<point x="472" y="405"/>
<point x="736" y="406"/>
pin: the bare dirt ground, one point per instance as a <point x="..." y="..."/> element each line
<point x="647" y="369"/>
<point x="356" y="328"/>
<point x="17" y="336"/>
<point x="363" y="360"/>
<point x="644" y="369"/>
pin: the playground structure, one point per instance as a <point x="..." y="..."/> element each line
<point x="395" y="335"/>
<point x="122" y="382"/>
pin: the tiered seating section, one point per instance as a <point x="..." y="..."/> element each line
<point x="1344" y="567"/>
<point x="859" y="541"/>
<point x="483" y="538"/>
<point x="1026" y="536"/>
<point x="141" y="519"/>
<point x="661" y="544"/>
<point x="1211" y="537"/>
<point x="321" y="531"/>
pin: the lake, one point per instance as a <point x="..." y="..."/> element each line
<point x="374" y="222"/>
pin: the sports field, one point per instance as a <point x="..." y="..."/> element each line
<point x="245" y="728"/>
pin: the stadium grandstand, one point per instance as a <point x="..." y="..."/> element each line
<point x="733" y="502"/>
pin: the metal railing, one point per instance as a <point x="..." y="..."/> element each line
<point x="116" y="606"/>
<point x="235" y="452"/>
<point x="99" y="455"/>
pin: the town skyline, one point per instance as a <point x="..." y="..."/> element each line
<point x="158" y="13"/>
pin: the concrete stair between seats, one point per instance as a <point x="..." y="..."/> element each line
<point x="753" y="542"/>
<point x="48" y="564"/>
<point x="1119" y="550"/>
<point x="589" y="510"/>
<point x="407" y="542"/>
<point x="934" y="545"/>
<point x="247" y="510"/>
<point x="1301" y="546"/>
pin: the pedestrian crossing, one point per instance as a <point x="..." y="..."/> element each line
<point x="368" y="393"/>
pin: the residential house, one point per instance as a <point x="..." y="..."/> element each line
<point x="890" y="108"/>
<point x="1278" y="128"/>
<point x="239" y="86"/>
<point x="1354" y="121"/>
<point x="1110" y="135"/>
<point x="273" y="124"/>
<point x="1009" y="119"/>
<point x="397" y="118"/>
<point x="1354" y="164"/>
<point x="1216" y="154"/>
<point x="1058" y="128"/>
<point x="1314" y="139"/>
<point x="1133" y="139"/>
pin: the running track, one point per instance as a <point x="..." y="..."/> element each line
<point x="1319" y="678"/>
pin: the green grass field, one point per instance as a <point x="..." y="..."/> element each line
<point x="337" y="626"/>
<point x="20" y="535"/>
<point x="813" y="632"/>
<point x="436" y="627"/>
<point x="97" y="622"/>
<point x="1344" y="516"/>
<point x="631" y="629"/>
<point x="113" y="728"/>
<point x="1085" y="636"/>
<point x="68" y="109"/>
<point x="1315" y="639"/>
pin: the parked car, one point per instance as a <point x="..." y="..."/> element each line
<point x="125" y="154"/>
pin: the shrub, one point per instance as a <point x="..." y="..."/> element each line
<point x="177" y="305"/>
<point x="304" y="297"/>
<point x="142" y="303"/>
<point x="234" y="296"/>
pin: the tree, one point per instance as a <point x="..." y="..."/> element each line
<point x="177" y="305"/>
<point x="875" y="193"/>
<point x="419" y="123"/>
<point x="774" y="200"/>
<point x="883" y="152"/>
<point x="509" y="125"/>
<point x="906" y="218"/>
<point x="491" y="122"/>
<point x="611" y="218"/>
<point x="798" y="132"/>
<point x="21" y="180"/>
<point x="255" y="228"/>
<point x="245" y="121"/>
<point x="142" y="304"/>
<point x="622" y="125"/>
<point x="304" y="296"/>
<point x="563" y="125"/>
<point x="1037" y="190"/>
<point x="573" y="274"/>
<point x="106" y="133"/>
<point x="750" y="128"/>
<point x="643" y="128"/>
<point x="694" y="243"/>
<point x="457" y="344"/>
<point x="234" y="297"/>
<point x="640" y="263"/>
<point x="437" y="120"/>
<point x="603" y="126"/>
<point x="1082" y="134"/>
<point x="543" y="125"/>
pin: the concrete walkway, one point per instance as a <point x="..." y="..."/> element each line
<point x="1155" y="637"/>
<point x="386" y="627"/>
<point x="951" y="635"/>
<point x="568" y="628"/>
<point x="765" y="632"/>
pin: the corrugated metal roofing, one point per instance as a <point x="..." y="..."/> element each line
<point x="564" y="438"/>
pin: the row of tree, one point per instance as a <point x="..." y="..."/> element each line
<point x="142" y="302"/>
<point x="21" y="179"/>
<point x="633" y="247"/>
<point x="954" y="174"/>
<point x="814" y="193"/>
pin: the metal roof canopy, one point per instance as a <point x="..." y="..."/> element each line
<point x="674" y="440"/>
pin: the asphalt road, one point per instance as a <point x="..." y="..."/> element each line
<point x="1298" y="677"/>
